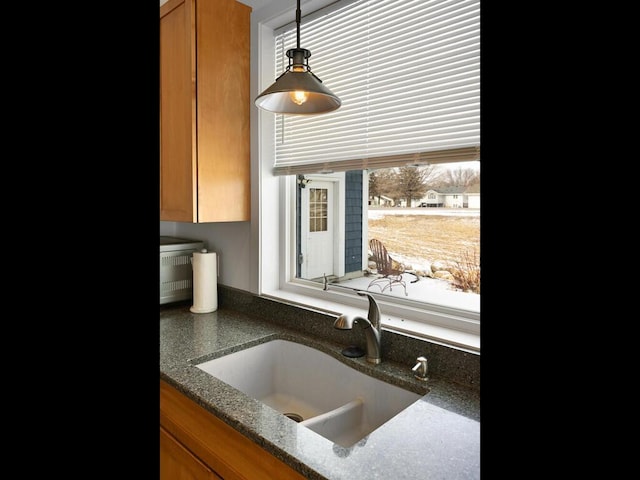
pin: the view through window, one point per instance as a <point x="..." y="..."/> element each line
<point x="417" y="236"/>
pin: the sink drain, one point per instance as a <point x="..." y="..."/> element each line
<point x="294" y="416"/>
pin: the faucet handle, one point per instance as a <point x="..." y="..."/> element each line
<point x="420" y="369"/>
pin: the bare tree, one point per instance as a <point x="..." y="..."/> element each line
<point x="413" y="182"/>
<point x="405" y="183"/>
<point x="461" y="177"/>
<point x="381" y="182"/>
<point x="374" y="185"/>
<point x="432" y="175"/>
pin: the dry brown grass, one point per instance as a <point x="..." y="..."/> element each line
<point x="467" y="274"/>
<point x="430" y="237"/>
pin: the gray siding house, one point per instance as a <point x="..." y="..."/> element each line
<point x="451" y="197"/>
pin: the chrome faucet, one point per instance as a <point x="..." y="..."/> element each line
<point x="369" y="325"/>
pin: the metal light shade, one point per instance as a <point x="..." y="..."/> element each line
<point x="298" y="91"/>
<point x="279" y="97"/>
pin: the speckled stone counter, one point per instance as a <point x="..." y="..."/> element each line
<point x="437" y="437"/>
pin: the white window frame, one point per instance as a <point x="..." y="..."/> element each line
<point x="276" y="240"/>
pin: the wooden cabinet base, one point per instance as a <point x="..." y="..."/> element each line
<point x="222" y="449"/>
<point x="177" y="463"/>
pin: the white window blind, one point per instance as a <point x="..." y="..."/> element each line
<point x="408" y="75"/>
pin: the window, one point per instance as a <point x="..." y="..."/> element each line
<point x="317" y="210"/>
<point x="408" y="75"/>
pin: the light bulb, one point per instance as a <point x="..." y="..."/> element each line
<point x="299" y="97"/>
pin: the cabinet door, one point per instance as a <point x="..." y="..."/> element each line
<point x="205" y="111"/>
<point x="223" y="117"/>
<point x="221" y="447"/>
<point x="177" y="463"/>
<point x="177" y="112"/>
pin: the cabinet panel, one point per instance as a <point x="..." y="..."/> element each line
<point x="177" y="463"/>
<point x="205" y="111"/>
<point x="178" y="161"/>
<point x="221" y="447"/>
<point x="223" y="110"/>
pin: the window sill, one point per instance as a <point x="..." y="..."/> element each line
<point x="336" y="302"/>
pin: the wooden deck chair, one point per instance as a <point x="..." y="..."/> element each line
<point x="389" y="271"/>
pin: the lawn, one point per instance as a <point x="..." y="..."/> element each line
<point x="420" y="238"/>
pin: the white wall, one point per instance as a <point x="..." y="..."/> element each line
<point x="231" y="241"/>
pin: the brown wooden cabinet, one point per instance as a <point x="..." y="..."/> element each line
<point x="204" y="111"/>
<point x="195" y="443"/>
<point x="177" y="463"/>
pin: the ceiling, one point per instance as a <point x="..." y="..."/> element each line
<point x="275" y="13"/>
<point x="255" y="4"/>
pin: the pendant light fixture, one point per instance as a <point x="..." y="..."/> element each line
<point x="298" y="90"/>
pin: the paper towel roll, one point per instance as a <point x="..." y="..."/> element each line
<point x="205" y="282"/>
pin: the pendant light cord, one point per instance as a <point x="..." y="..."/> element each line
<point x="298" y="16"/>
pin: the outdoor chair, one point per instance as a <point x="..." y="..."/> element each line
<point x="389" y="270"/>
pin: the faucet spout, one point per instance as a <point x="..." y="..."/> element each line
<point x="370" y="327"/>
<point x="374" y="311"/>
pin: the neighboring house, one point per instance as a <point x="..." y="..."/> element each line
<point x="381" y="201"/>
<point x="452" y="197"/>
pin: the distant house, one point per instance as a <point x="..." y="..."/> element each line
<point x="473" y="196"/>
<point x="452" y="197"/>
<point x="381" y="201"/>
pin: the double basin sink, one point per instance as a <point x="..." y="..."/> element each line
<point x="312" y="388"/>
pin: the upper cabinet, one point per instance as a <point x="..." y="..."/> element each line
<point x="204" y="111"/>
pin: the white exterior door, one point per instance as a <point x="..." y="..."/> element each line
<point x="317" y="230"/>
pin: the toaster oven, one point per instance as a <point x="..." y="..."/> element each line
<point x="176" y="272"/>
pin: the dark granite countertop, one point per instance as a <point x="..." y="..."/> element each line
<point x="437" y="437"/>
